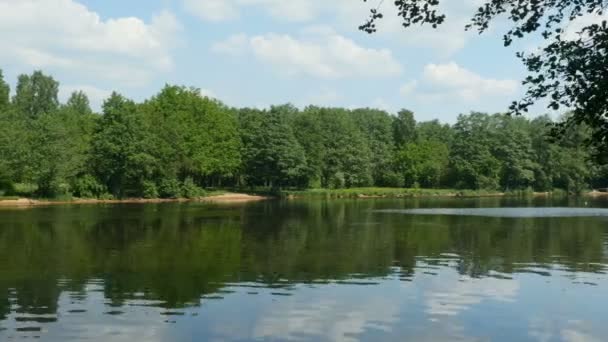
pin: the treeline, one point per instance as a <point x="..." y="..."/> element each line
<point x="178" y="142"/>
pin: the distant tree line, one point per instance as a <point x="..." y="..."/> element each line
<point x="179" y="142"/>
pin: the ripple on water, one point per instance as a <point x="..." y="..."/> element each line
<point x="504" y="212"/>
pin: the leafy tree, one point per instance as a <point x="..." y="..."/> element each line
<point x="60" y="149"/>
<point x="423" y="164"/>
<point x="79" y="103"/>
<point x="36" y="94"/>
<point x="4" y="93"/>
<point x="272" y="155"/>
<point x="473" y="166"/>
<point x="434" y="131"/>
<point x="376" y="126"/>
<point x="346" y="157"/>
<point x="120" y="153"/>
<point x="570" y="69"/>
<point x="196" y="136"/>
<point x="404" y="127"/>
<point x="514" y="150"/>
<point x="307" y="127"/>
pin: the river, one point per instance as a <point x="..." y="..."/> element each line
<point x="492" y="269"/>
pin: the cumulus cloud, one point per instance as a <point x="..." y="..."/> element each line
<point x="452" y="81"/>
<point x="322" y="316"/>
<point x="212" y="10"/>
<point x="451" y="297"/>
<point x="348" y="15"/>
<point x="221" y="10"/>
<point x="65" y="34"/>
<point x="317" y="52"/>
<point x="465" y="83"/>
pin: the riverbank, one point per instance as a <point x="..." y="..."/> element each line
<point x="219" y="198"/>
<point x="354" y="193"/>
<point x="417" y="193"/>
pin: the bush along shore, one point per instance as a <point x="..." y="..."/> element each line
<point x="179" y="143"/>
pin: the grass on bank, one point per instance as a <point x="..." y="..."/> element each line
<point x="400" y="193"/>
<point x="28" y="191"/>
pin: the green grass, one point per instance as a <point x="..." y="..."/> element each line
<point x="378" y="192"/>
<point x="400" y="193"/>
<point x="9" y="198"/>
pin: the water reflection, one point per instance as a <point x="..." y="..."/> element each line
<point x="505" y="212"/>
<point x="337" y="271"/>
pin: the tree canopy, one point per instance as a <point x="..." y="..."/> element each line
<point x="569" y="71"/>
<point x="178" y="142"/>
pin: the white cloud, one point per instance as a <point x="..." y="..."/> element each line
<point x="450" y="297"/>
<point x="65" y="34"/>
<point x="207" y="93"/>
<point x="348" y="15"/>
<point x="450" y="81"/>
<point x="221" y="10"/>
<point x="212" y="10"/>
<point x="318" y="52"/>
<point x="337" y="320"/>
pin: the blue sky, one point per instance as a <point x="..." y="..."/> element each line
<point x="263" y="52"/>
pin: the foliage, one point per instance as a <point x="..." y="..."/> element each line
<point x="424" y="163"/>
<point x="272" y="155"/>
<point x="569" y="71"/>
<point x="178" y="142"/>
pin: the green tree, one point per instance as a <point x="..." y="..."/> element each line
<point x="120" y="152"/>
<point x="346" y="156"/>
<point x="569" y="70"/>
<point x="4" y="93"/>
<point x="404" y="127"/>
<point x="376" y="126"/>
<point x="272" y="155"/>
<point x="513" y="148"/>
<point x="79" y="103"/>
<point x="473" y="166"/>
<point x="36" y="94"/>
<point x="61" y="146"/>
<point x="434" y="131"/>
<point x="423" y="164"/>
<point x="196" y="136"/>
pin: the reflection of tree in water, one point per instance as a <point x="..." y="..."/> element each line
<point x="173" y="255"/>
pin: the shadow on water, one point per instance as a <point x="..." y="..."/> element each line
<point x="60" y="263"/>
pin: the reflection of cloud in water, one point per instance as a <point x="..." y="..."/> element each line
<point x="93" y="325"/>
<point x="450" y="294"/>
<point x="337" y="319"/>
<point x="529" y="212"/>
<point x="545" y="330"/>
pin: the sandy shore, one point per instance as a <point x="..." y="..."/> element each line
<point x="224" y="198"/>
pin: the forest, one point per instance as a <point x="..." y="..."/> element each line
<point x="179" y="143"/>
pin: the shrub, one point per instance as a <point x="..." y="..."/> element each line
<point x="87" y="186"/>
<point x="170" y="188"/>
<point x="149" y="190"/>
<point x="191" y="190"/>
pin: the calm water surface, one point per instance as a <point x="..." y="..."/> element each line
<point x="367" y="270"/>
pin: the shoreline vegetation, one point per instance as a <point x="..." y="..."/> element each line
<point x="214" y="198"/>
<point x="354" y="193"/>
<point x="181" y="144"/>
